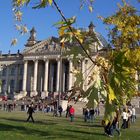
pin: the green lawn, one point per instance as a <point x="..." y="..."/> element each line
<point x="14" y="127"/>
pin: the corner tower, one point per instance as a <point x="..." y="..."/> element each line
<point x="32" y="39"/>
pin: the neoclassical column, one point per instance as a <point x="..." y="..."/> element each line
<point x="35" y="75"/>
<point x="70" y="73"/>
<point x="16" y="77"/>
<point x="46" y="77"/>
<point x="7" y="78"/>
<point x="86" y="75"/>
<point x="58" y="75"/>
<point x="83" y="72"/>
<point x="64" y="76"/>
<point x="25" y="76"/>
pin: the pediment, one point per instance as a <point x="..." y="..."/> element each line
<point x="51" y="44"/>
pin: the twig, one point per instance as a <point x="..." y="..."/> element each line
<point x="63" y="17"/>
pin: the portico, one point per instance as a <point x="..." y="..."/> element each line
<point x="41" y="76"/>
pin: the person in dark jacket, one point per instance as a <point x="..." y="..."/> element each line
<point x="30" y="112"/>
<point x="86" y="114"/>
<point x="60" y="110"/>
<point x="91" y="114"/>
<point x="68" y="111"/>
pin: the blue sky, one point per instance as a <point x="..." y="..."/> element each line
<point x="44" y="19"/>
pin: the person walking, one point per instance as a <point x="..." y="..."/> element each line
<point x="72" y="111"/>
<point x="115" y="123"/>
<point x="30" y="112"/>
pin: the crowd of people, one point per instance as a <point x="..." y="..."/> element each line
<point x="127" y="115"/>
<point x="8" y="106"/>
<point x="90" y="114"/>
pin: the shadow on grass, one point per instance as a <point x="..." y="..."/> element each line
<point x="49" y="122"/>
<point x="22" y="129"/>
<point x="92" y="125"/>
<point x="85" y="132"/>
<point x="28" y="131"/>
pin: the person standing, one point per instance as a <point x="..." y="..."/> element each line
<point x="60" y="110"/>
<point x="125" y="118"/>
<point x="72" y="111"/>
<point x="133" y="114"/>
<point x="86" y="114"/>
<point x="68" y="111"/>
<point x="91" y="113"/>
<point x="30" y="112"/>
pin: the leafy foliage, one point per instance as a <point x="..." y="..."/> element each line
<point x="89" y="3"/>
<point x="126" y="29"/>
<point x="120" y="64"/>
<point x="113" y="77"/>
<point x="67" y="32"/>
<point x="43" y="4"/>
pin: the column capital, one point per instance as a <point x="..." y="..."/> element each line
<point x="58" y="58"/>
<point x="35" y="60"/>
<point x="79" y="56"/>
<point x="25" y="61"/>
<point x="46" y="59"/>
<point x="70" y="57"/>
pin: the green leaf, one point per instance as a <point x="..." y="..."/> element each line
<point x="43" y="4"/>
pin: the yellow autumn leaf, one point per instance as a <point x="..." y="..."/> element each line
<point x="111" y="94"/>
<point x="62" y="30"/>
<point x="14" y="42"/>
<point x="50" y="2"/>
<point x="90" y="8"/>
<point x="24" y="29"/>
<point x="18" y="27"/>
<point x="62" y="44"/>
<point x="18" y="15"/>
<point x="20" y="2"/>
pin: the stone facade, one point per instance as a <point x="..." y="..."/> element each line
<point x="41" y="69"/>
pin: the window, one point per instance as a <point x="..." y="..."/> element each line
<point x="3" y="85"/>
<point x="20" y="85"/>
<point x="20" y="70"/>
<point x="12" y="71"/>
<point x="4" y="72"/>
<point x="12" y="84"/>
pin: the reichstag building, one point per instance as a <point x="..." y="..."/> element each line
<point x="36" y="70"/>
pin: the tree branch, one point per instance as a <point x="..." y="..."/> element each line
<point x="70" y="28"/>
